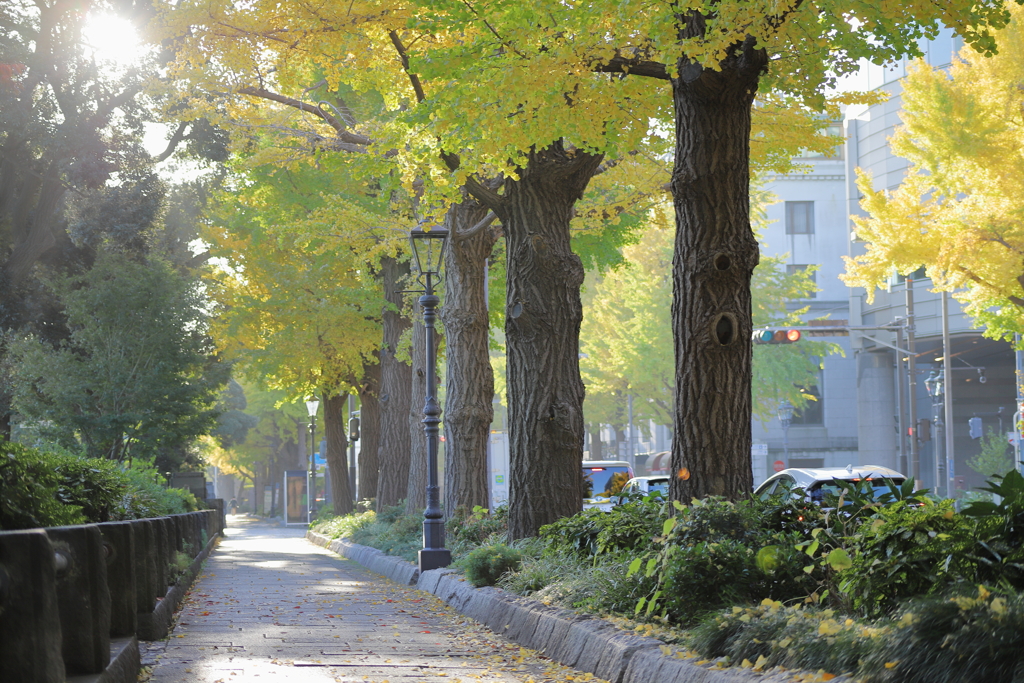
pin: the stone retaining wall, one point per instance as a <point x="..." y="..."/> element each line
<point x="75" y="601"/>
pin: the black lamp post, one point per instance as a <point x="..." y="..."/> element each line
<point x="785" y="413"/>
<point x="428" y="252"/>
<point x="311" y="406"/>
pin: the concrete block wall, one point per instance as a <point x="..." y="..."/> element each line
<point x="74" y="601"/>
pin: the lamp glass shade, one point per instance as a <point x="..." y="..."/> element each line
<point x="312" y="405"/>
<point x="785" y="411"/>
<point x="428" y="249"/>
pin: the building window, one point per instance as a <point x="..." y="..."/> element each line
<point x="811" y="275"/>
<point x="813" y="413"/>
<point x="799" y="218"/>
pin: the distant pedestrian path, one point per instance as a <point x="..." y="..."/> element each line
<point x="271" y="606"/>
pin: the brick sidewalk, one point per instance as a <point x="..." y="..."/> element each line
<point x="273" y="606"/>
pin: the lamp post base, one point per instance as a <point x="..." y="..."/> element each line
<point x="434" y="558"/>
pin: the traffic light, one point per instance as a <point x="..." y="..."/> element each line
<point x="924" y="429"/>
<point x="975" y="424"/>
<point x="775" y="336"/>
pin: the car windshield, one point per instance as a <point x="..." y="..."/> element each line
<point x="604" y="482"/>
<point x="658" y="487"/>
<point x="878" y="486"/>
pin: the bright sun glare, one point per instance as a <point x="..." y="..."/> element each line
<point x="113" y="39"/>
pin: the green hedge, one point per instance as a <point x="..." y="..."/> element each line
<point x="40" y="489"/>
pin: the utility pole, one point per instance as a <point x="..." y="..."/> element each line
<point x="947" y="371"/>
<point x="901" y="401"/>
<point x="915" y="453"/>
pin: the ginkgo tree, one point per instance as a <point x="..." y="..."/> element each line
<point x="453" y="118"/>
<point x="626" y="336"/>
<point x="299" y="310"/>
<point x="960" y="210"/>
<point x="708" y="61"/>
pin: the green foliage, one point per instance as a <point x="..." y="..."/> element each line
<point x="630" y="526"/>
<point x="995" y="457"/>
<point x="344" y="526"/>
<point x="390" y="530"/>
<point x="1000" y="534"/>
<point x="794" y="637"/>
<point x="137" y="378"/>
<point x="908" y="550"/>
<point x="486" y="564"/>
<point x="39" y="489"/>
<point x="466" y="530"/>
<point x="959" y="639"/>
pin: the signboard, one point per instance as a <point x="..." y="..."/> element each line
<point x="778" y="465"/>
<point x="295" y="499"/>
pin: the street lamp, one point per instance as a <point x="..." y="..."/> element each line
<point x="785" y="413"/>
<point x="311" y="406"/>
<point x="936" y="387"/>
<point x="428" y="252"/>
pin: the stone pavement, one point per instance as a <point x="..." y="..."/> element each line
<point x="271" y="605"/>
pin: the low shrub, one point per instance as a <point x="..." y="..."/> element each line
<point x="467" y="530"/>
<point x="345" y="526"/>
<point x="794" y="637"/>
<point x="958" y="639"/>
<point x="486" y="564"/>
<point x="906" y="551"/>
<point x="631" y="526"/>
<point x="392" y="531"/>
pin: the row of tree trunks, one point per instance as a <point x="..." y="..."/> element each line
<point x="416" y="492"/>
<point x="395" y="387"/>
<point x="469" y="389"/>
<point x="369" y="417"/>
<point x="336" y="456"/>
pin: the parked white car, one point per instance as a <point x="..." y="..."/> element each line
<point x="816" y="483"/>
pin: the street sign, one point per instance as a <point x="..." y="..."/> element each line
<point x="778" y="465"/>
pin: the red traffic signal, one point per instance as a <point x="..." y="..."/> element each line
<point x="779" y="336"/>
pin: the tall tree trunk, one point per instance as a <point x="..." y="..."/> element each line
<point x="337" y="445"/>
<point x="395" y="389"/>
<point x="715" y="256"/>
<point x="469" y="389"/>
<point x="369" y="431"/>
<point x="542" y="328"/>
<point x="416" y="493"/>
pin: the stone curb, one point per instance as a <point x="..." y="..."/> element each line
<point x="157" y="624"/>
<point x="581" y="641"/>
<point x="124" y="666"/>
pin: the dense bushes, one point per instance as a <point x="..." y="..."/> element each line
<point x="962" y="638"/>
<point x="40" y="489"/>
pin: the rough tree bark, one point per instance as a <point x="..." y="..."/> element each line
<point x="542" y="328"/>
<point x="416" y="493"/>
<point x="395" y="388"/>
<point x="337" y="446"/>
<point x="469" y="388"/>
<point x="369" y="431"/>
<point x="715" y="256"/>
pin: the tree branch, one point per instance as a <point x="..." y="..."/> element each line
<point x="486" y="221"/>
<point x="635" y="66"/>
<point x="414" y="79"/>
<point x="172" y="144"/>
<point x="344" y="135"/>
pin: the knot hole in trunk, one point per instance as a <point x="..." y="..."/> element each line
<point x="725" y="328"/>
<point x="722" y="262"/>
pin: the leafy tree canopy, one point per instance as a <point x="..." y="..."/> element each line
<point x="137" y="376"/>
<point x="960" y="210"/>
